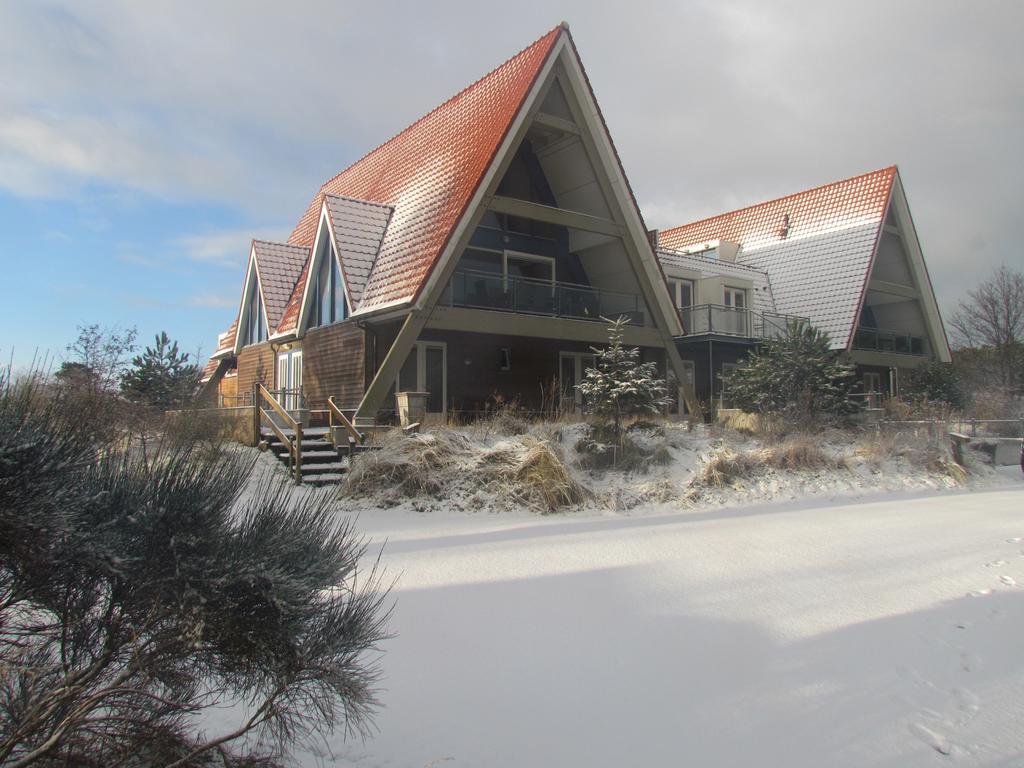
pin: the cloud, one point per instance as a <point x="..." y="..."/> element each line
<point x="214" y="301"/>
<point x="713" y="104"/>
<point x="225" y="248"/>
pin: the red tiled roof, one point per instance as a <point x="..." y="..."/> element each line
<point x="428" y="173"/>
<point x="226" y="340"/>
<point x="208" y="371"/>
<point x="821" y="209"/>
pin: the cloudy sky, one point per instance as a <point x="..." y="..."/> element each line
<point x="142" y="145"/>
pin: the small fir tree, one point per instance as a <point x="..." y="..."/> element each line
<point x="797" y="377"/>
<point x="162" y="376"/>
<point x="621" y="385"/>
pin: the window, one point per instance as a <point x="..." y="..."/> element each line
<point x="505" y="359"/>
<point x="872" y="383"/>
<point x="682" y="291"/>
<point x="735" y="297"/>
<point x="727" y="371"/>
<point x="529" y="265"/>
<point x="330" y="305"/>
<point x="256" y="322"/>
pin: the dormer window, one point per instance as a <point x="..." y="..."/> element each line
<point x="256" y="322"/>
<point x="330" y="305"/>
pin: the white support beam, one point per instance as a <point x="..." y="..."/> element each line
<point x="894" y="289"/>
<point x="556" y="123"/>
<point x="559" y="216"/>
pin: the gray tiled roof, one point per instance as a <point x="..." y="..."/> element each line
<point x="359" y="228"/>
<point x="820" y="277"/>
<point x="279" y="267"/>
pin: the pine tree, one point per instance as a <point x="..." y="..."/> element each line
<point x="620" y="385"/>
<point x="797" y="377"/>
<point x="161" y="377"/>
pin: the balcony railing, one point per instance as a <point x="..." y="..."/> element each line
<point x="878" y="340"/>
<point x="526" y="295"/>
<point x="735" y="321"/>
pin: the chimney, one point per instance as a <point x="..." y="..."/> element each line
<point x="652" y="236"/>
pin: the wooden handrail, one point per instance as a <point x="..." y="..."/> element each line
<point x="335" y="412"/>
<point x="265" y="393"/>
<point x="294" y="444"/>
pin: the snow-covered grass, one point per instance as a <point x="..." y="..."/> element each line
<point x="480" y="469"/>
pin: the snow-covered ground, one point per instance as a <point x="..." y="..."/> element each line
<point x="884" y="631"/>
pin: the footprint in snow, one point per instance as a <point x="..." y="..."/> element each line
<point x="995" y="564"/>
<point x="980" y="593"/>
<point x="967" y="702"/>
<point x="936" y="741"/>
<point x="1008" y="581"/>
<point x="1015" y="539"/>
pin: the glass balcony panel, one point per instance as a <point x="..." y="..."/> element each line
<point x="877" y="340"/>
<point x="481" y="290"/>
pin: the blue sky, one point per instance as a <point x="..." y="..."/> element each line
<point x="143" y="145"/>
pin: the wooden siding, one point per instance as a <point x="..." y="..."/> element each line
<point x="333" y="363"/>
<point x="255" y="363"/>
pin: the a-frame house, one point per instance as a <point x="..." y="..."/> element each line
<point x="844" y="256"/>
<point x="472" y="255"/>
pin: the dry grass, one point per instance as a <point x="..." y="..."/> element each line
<point x="524" y="470"/>
<point x="410" y="465"/>
<point x="800" y="452"/>
<point x="541" y="480"/>
<point x="931" y="453"/>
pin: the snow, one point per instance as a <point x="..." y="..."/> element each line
<point x="880" y="631"/>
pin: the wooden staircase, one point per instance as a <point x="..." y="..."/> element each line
<point x="314" y="455"/>
<point x="322" y="463"/>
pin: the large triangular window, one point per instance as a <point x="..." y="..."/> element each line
<point x="329" y="305"/>
<point x="256" y="320"/>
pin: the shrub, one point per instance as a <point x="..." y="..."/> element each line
<point x="797" y="377"/>
<point x="138" y="591"/>
<point x="934" y="382"/>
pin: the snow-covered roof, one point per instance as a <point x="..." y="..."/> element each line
<point x="815" y="246"/>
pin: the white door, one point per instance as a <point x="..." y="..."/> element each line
<point x="295" y="379"/>
<point x="572" y="368"/>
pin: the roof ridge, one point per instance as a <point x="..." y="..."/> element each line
<point x="284" y="244"/>
<point x="358" y="199"/>
<point x="889" y="168"/>
<point x="560" y="27"/>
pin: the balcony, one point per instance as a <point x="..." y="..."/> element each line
<point x="717" y="319"/>
<point x="525" y="295"/>
<point x="879" y="340"/>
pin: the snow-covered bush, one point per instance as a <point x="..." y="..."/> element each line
<point x="138" y="591"/>
<point x="797" y="378"/>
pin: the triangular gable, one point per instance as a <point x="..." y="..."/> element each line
<point x="278" y="268"/>
<point x="357" y="228"/>
<point x="817" y="246"/>
<point x="898" y="217"/>
<point x="251" y="283"/>
<point x="428" y="174"/>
